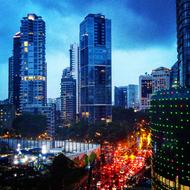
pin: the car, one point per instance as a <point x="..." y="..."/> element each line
<point x="98" y="183"/>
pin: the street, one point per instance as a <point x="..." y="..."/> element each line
<point x="121" y="167"/>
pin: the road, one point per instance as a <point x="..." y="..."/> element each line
<point x="122" y="168"/>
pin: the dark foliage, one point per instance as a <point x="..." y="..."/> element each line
<point x="30" y="125"/>
<point x="123" y="123"/>
<point x="64" y="172"/>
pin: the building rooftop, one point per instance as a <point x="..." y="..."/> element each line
<point x="32" y="16"/>
<point x="161" y="69"/>
<point x="99" y="15"/>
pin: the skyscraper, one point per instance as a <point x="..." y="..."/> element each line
<point x="120" y="97"/>
<point x="169" y="115"/>
<point x="33" y="63"/>
<point x="14" y="73"/>
<point x="174" y="75"/>
<point x="161" y="78"/>
<point x="132" y="96"/>
<point x="74" y="60"/>
<point x="145" y="90"/>
<point x="56" y="101"/>
<point x="28" y="72"/>
<point x="95" y="68"/>
<point x="11" y="80"/>
<point x="183" y="41"/>
<point x="68" y="97"/>
<point x="74" y="69"/>
<point x="7" y="115"/>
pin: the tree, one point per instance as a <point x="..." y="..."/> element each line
<point x="61" y="170"/>
<point x="92" y="157"/>
<point x="30" y="125"/>
<point x="124" y="122"/>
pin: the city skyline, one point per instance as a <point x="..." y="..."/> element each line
<point x="59" y="126"/>
<point x="131" y="48"/>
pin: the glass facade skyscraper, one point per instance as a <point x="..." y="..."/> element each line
<point x="183" y="41"/>
<point x="174" y="75"/>
<point x="132" y="96"/>
<point x="74" y="59"/>
<point x="74" y="69"/>
<point x="95" y="68"/>
<point x="33" y="63"/>
<point x="11" y="80"/>
<point x="68" y="97"/>
<point x="14" y="73"/>
<point x="120" y="97"/>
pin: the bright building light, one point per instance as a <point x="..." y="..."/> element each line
<point x="18" y="147"/>
<point x="44" y="149"/>
<point x="33" y="158"/>
<point x="15" y="162"/>
<point x="31" y="17"/>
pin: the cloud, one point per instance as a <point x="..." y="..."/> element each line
<point x="127" y="66"/>
<point x="138" y="28"/>
<point x="136" y="24"/>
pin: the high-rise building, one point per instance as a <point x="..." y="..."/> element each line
<point x="50" y="100"/>
<point x="183" y="41"/>
<point x="68" y="97"/>
<point x="74" y="60"/>
<point x="7" y="114"/>
<point x="14" y="73"/>
<point x="161" y="79"/>
<point x="33" y="63"/>
<point x="132" y="96"/>
<point x="145" y="91"/>
<point x="169" y="115"/>
<point x="11" y="80"/>
<point x="95" y="68"/>
<point x="56" y="101"/>
<point x="74" y="69"/>
<point x="58" y="104"/>
<point x="174" y="75"/>
<point x="120" y="97"/>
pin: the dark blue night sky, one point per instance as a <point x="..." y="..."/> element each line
<point x="143" y="35"/>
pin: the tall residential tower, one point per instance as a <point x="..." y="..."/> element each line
<point x="33" y="63"/>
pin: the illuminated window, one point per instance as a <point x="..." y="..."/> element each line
<point x="25" y="49"/>
<point x="34" y="78"/>
<point x="185" y="187"/>
<point x="25" y="43"/>
<point x="172" y="184"/>
<point x="31" y="17"/>
<point x="167" y="182"/>
<point x="39" y="97"/>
